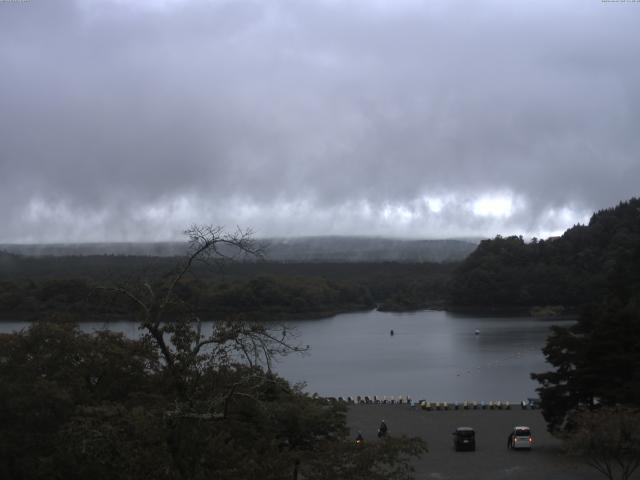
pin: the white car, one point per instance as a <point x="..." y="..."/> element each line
<point x="521" y="438"/>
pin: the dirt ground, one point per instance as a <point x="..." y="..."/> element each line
<point x="491" y="460"/>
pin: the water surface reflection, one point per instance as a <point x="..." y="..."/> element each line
<point x="433" y="354"/>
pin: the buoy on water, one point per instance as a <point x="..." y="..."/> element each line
<point x="391" y="333"/>
<point x="477" y="332"/>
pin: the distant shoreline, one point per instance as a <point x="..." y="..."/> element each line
<point x="554" y="311"/>
<point x="525" y="312"/>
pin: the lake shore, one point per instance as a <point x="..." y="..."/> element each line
<point x="285" y="316"/>
<point x="491" y="461"/>
<point x="258" y="316"/>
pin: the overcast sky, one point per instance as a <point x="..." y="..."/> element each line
<point x="130" y="120"/>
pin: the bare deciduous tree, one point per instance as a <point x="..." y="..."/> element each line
<point x="184" y="348"/>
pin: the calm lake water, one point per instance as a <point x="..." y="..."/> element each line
<point x="433" y="354"/>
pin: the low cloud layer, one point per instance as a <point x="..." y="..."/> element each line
<point x="393" y="118"/>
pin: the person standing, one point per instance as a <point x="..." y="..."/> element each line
<point x="382" y="430"/>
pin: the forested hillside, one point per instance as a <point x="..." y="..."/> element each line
<point x="595" y="360"/>
<point x="571" y="270"/>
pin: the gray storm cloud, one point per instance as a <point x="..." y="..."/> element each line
<point x="398" y="118"/>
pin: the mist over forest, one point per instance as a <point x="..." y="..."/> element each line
<point x="295" y="249"/>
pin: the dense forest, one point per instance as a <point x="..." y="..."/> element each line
<point x="595" y="360"/>
<point x="568" y="271"/>
<point x="81" y="285"/>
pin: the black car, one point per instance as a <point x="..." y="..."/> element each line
<point x="464" y="438"/>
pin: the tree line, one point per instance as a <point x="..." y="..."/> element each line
<point x="570" y="270"/>
<point x="267" y="290"/>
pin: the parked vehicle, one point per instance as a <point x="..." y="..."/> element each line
<point x="464" y="438"/>
<point x="521" y="438"/>
<point x="533" y="403"/>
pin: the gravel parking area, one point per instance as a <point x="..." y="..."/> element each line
<point x="491" y="460"/>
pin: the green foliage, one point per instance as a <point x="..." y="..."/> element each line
<point x="596" y="359"/>
<point x="570" y="270"/>
<point x="75" y="405"/>
<point x="595" y="362"/>
<point x="260" y="290"/>
<point x="50" y="372"/>
<point x="269" y="296"/>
